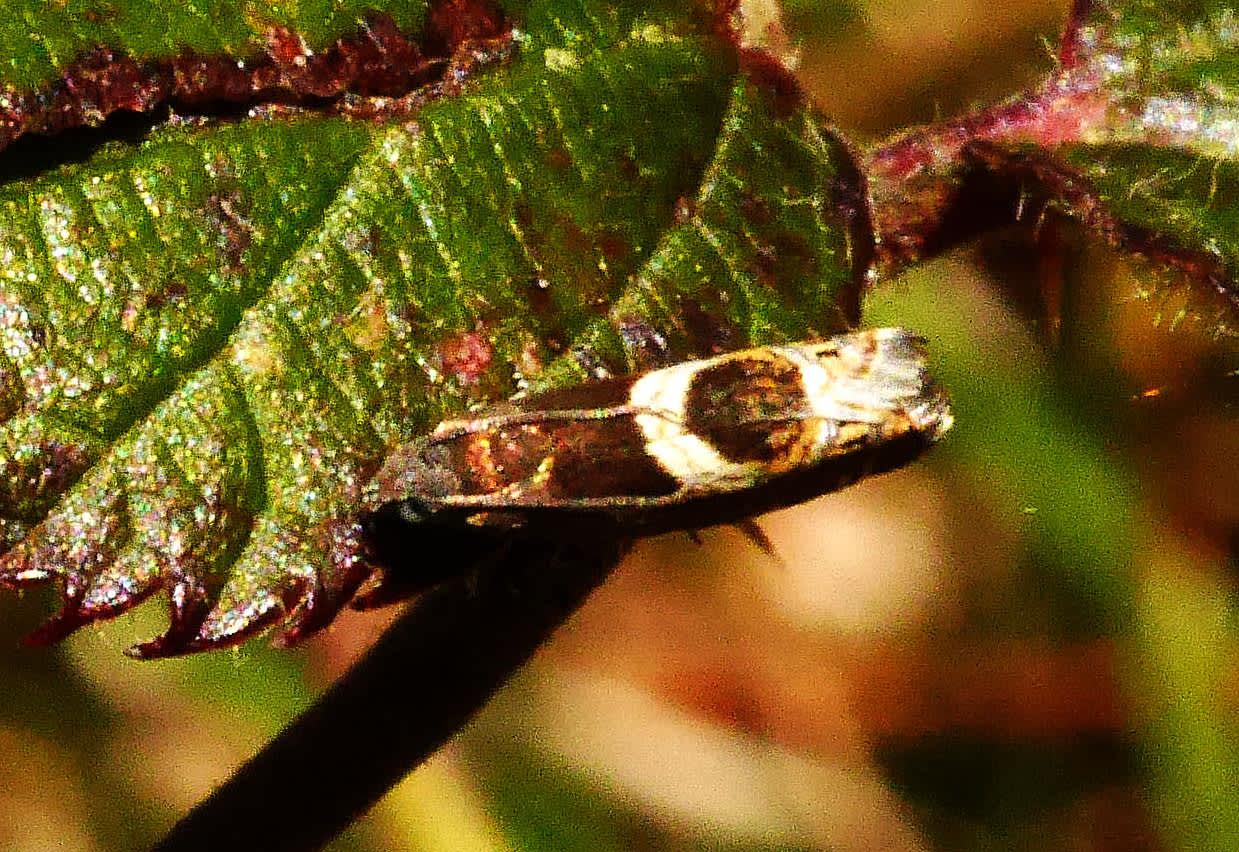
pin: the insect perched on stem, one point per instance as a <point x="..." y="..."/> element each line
<point x="692" y="445"/>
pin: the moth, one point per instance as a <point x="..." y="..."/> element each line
<point x="695" y="444"/>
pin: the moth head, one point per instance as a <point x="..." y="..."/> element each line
<point x="419" y="467"/>
<point x="876" y="376"/>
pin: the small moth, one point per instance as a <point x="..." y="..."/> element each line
<point x="691" y="445"/>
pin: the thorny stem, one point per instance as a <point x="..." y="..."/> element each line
<point x="920" y="180"/>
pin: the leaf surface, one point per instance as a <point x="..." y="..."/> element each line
<point x="1162" y="157"/>
<point x="211" y="339"/>
<point x="39" y="40"/>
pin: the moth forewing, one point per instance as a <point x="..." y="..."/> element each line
<point x="712" y="434"/>
<point x="704" y="442"/>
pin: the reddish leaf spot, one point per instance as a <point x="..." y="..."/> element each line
<point x="466" y="357"/>
<point x="754" y="208"/>
<point x="629" y="167"/>
<point x="558" y="158"/>
<point x="172" y="291"/>
<point x="709" y="333"/>
<point x="546" y="312"/>
<point x="229" y="217"/>
<point x="538" y="295"/>
<point x="720" y="17"/>
<point x="684" y="211"/>
<point x="785" y="262"/>
<point x="285" y="47"/>
<point x="613" y="246"/>
<point x="461" y="21"/>
<point x="574" y="238"/>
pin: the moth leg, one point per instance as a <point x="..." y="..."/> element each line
<point x="753" y="531"/>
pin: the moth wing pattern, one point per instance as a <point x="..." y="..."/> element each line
<point x="712" y="436"/>
<point x="695" y="444"/>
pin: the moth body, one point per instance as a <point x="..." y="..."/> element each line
<point x="691" y="445"/>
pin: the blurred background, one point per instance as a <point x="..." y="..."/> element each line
<point x="1023" y="641"/>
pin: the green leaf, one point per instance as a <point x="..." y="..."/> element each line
<point x="38" y="39"/>
<point x="1169" y="201"/>
<point x="211" y="340"/>
<point x="1161" y="153"/>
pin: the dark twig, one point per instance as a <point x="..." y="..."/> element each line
<point x="423" y="680"/>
